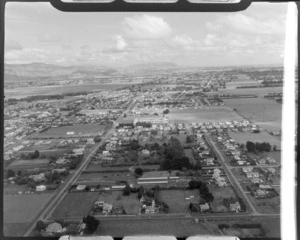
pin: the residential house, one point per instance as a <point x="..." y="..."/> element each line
<point x="260" y="193"/>
<point x="252" y="174"/>
<point x="271" y="170"/>
<point x="40" y="188"/>
<point x="54" y="228"/>
<point x="235" y="207"/>
<point x="38" y="178"/>
<point x="255" y="180"/>
<point x="247" y="169"/>
<point x="204" y="207"/>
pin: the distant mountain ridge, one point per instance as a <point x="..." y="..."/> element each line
<point x="43" y="70"/>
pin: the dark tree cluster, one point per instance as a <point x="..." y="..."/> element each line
<point x="203" y="189"/>
<point x="91" y="224"/>
<point x="258" y="147"/>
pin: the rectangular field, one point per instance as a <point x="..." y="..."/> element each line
<point x="33" y="162"/>
<point x="75" y="205"/>
<point x="213" y="114"/>
<point x="78" y="130"/>
<point x="264" y="112"/>
<point x="23" y="208"/>
<point x="243" y="137"/>
<point x="176" y="199"/>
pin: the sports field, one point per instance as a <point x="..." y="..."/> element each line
<point x="23" y="208"/>
<point x="76" y="130"/>
<point x="213" y="114"/>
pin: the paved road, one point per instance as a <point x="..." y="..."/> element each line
<point x="63" y="191"/>
<point x="234" y="182"/>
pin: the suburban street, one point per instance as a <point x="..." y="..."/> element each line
<point x="53" y="202"/>
<point x="232" y="179"/>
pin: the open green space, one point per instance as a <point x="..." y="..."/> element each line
<point x="15" y="229"/>
<point x="213" y="114"/>
<point x="75" y="205"/>
<point x="174" y="227"/>
<point x="30" y="162"/>
<point x="23" y="208"/>
<point x="78" y="130"/>
<point x="265" y="113"/>
<point x="243" y="137"/>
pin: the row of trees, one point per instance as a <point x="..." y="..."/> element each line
<point x="258" y="147"/>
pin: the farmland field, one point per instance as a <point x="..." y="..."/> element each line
<point x="22" y="92"/>
<point x="243" y="137"/>
<point x="173" y="227"/>
<point x="264" y="112"/>
<point x="219" y="194"/>
<point x="213" y="114"/>
<point x="255" y="91"/>
<point x="79" y="130"/>
<point x="23" y="208"/>
<point x="15" y="229"/>
<point x="75" y="205"/>
<point x="30" y="162"/>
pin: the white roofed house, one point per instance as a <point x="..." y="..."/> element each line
<point x="247" y="169"/>
<point x="38" y="177"/>
<point x="204" y="207"/>
<point x="40" y="188"/>
<point x="235" y="207"/>
<point x="252" y="174"/>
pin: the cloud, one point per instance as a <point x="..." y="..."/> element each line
<point x="146" y="27"/>
<point x="12" y="46"/>
<point x="242" y="23"/>
<point x="49" y="38"/>
<point x="121" y="43"/>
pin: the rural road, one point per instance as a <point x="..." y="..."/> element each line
<point x="52" y="204"/>
<point x="232" y="179"/>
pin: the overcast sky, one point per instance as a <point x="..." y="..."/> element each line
<point x="37" y="32"/>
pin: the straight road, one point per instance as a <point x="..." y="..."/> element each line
<point x="63" y="191"/>
<point x="234" y="182"/>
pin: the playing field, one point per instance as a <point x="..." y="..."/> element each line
<point x="264" y="112"/>
<point x="243" y="137"/>
<point x="75" y="130"/>
<point x="213" y="114"/>
<point x="23" y="208"/>
<point x="75" y="205"/>
<point x="30" y="162"/>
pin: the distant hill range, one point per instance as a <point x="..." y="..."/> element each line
<point x="43" y="71"/>
<point x="19" y="72"/>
